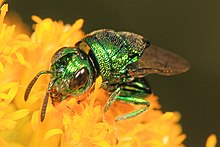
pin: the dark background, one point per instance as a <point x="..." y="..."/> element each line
<point x="189" y="28"/>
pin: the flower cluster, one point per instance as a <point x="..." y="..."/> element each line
<point x="69" y="123"/>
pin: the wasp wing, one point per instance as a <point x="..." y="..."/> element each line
<point x="156" y="60"/>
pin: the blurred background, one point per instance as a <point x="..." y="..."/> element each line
<point x="188" y="28"/>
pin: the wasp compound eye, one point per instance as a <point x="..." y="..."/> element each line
<point x="80" y="78"/>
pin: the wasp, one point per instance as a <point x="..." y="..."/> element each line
<point x="122" y="59"/>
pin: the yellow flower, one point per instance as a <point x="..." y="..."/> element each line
<point x="211" y="141"/>
<point x="68" y="123"/>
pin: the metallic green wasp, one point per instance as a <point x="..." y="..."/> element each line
<point x="123" y="59"/>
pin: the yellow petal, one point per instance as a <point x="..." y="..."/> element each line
<point x="4" y="96"/>
<point x="22" y="60"/>
<point x="7" y="124"/>
<point x="8" y="86"/>
<point x="211" y="141"/>
<point x="103" y="143"/>
<point x="36" y="18"/>
<point x="36" y="96"/>
<point x="11" y="94"/>
<point x="98" y="83"/>
<point x="52" y="132"/>
<point x="7" y="58"/>
<point x="1" y="67"/>
<point x="79" y="23"/>
<point x="4" y="10"/>
<point x="18" y="114"/>
<point x="35" y="120"/>
<point x="15" y="144"/>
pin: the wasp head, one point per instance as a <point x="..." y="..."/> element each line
<point x="71" y="73"/>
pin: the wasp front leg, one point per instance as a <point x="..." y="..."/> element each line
<point x="112" y="99"/>
<point x="132" y="92"/>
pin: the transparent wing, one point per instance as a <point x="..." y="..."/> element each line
<point x="156" y="60"/>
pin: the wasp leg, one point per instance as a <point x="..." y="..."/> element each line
<point x="136" y="101"/>
<point x="131" y="92"/>
<point x="112" y="99"/>
<point x="135" y="92"/>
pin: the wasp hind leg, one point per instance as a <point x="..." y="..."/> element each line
<point x="133" y="92"/>
<point x="136" y="101"/>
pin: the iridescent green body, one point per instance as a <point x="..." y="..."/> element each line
<point x="123" y="59"/>
<point x="114" y="51"/>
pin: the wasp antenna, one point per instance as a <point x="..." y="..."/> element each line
<point x="31" y="84"/>
<point x="44" y="107"/>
